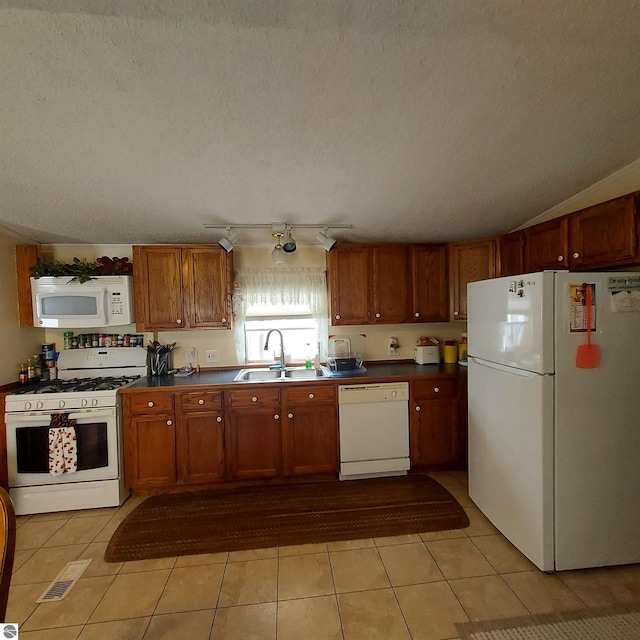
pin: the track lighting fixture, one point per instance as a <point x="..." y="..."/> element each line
<point x="289" y="245"/>
<point x="279" y="230"/>
<point x="227" y="242"/>
<point x="326" y="242"/>
<point x="277" y="255"/>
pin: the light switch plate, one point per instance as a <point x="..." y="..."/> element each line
<point x="212" y="355"/>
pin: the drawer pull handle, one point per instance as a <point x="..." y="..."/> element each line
<point x="178" y="321"/>
<point x="377" y="315"/>
<point x="456" y="313"/>
<point x="418" y="408"/>
<point x="149" y="404"/>
<point x="576" y="255"/>
<point x="223" y="319"/>
<point x="436" y="390"/>
<point x="417" y="315"/>
<point x="338" y="317"/>
<point x="254" y="399"/>
<point x="311" y="396"/>
<point x="560" y="258"/>
<point x="219" y="419"/>
<point x="276" y="417"/>
<point x="200" y="401"/>
<point x="169" y="422"/>
<point x="290" y="415"/>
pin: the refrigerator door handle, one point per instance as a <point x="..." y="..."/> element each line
<point x="523" y="373"/>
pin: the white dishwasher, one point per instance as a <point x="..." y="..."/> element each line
<point x="374" y="430"/>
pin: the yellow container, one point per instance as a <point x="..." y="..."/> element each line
<point x="450" y="353"/>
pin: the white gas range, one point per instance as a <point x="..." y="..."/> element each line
<point x="64" y="437"/>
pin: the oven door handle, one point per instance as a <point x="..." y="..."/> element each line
<point x="96" y="413"/>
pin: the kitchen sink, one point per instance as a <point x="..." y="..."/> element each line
<point x="304" y="374"/>
<point x="276" y="375"/>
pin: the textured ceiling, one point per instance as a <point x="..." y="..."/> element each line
<point x="432" y="120"/>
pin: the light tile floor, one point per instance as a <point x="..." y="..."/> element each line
<point x="413" y="586"/>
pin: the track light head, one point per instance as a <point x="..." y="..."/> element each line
<point x="227" y="242"/>
<point x="289" y="244"/>
<point x="327" y="242"/>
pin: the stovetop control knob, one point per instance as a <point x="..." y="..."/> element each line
<point x="61" y="404"/>
<point x="94" y="402"/>
<point x="39" y="404"/>
<point x="27" y="406"/>
<point x="84" y="402"/>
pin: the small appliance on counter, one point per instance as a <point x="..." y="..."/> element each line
<point x="427" y="351"/>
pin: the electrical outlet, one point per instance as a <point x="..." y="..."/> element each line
<point x="212" y="355"/>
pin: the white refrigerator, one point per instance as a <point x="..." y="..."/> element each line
<point x="554" y="449"/>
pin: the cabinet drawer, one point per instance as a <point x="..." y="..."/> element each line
<point x="201" y="400"/>
<point x="435" y="388"/>
<point x="151" y="402"/>
<point x="320" y="395"/>
<point x="254" y="398"/>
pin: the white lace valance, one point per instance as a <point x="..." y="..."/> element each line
<point x="300" y="287"/>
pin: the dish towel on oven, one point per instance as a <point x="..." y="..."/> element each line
<point x="63" y="452"/>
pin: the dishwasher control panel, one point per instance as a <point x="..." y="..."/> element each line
<point x="367" y="393"/>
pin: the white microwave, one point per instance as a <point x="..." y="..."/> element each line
<point x="103" y="301"/>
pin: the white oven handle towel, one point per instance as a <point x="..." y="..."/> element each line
<point x="63" y="452"/>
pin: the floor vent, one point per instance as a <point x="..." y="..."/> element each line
<point x="65" y="580"/>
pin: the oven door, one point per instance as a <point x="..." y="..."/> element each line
<point x="97" y="441"/>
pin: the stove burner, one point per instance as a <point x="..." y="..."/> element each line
<point x="78" y="384"/>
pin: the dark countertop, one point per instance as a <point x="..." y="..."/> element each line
<point x="376" y="372"/>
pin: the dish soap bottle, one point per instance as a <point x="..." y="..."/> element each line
<point x="308" y="361"/>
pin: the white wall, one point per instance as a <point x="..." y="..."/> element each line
<point x="17" y="343"/>
<point x="617" y="184"/>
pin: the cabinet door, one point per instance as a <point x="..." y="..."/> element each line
<point x="348" y="270"/>
<point x="254" y="444"/>
<point x="206" y="283"/>
<point x="430" y="283"/>
<point x="200" y="436"/>
<point x="512" y="254"/>
<point x="547" y="245"/>
<point x="150" y="450"/>
<point x="310" y="431"/>
<point x="391" y="284"/>
<point x="200" y="447"/>
<point x="604" y="235"/>
<point x="468" y="262"/>
<point x="434" y="427"/>
<point x="158" y="288"/>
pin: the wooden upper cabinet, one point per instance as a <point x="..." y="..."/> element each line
<point x="206" y="282"/>
<point x="390" y="283"/>
<point x="468" y="262"/>
<point x="348" y="273"/>
<point x="547" y="245"/>
<point x="182" y="287"/>
<point x="604" y="235"/>
<point x="511" y="254"/>
<point x="430" y="283"/>
<point x="26" y="257"/>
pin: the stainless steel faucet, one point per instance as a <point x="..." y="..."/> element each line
<point x="266" y="345"/>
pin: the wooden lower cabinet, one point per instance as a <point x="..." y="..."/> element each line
<point x="254" y="434"/>
<point x="310" y="431"/>
<point x="438" y="424"/>
<point x="200" y="437"/>
<point x="149" y="440"/>
<point x="173" y="439"/>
